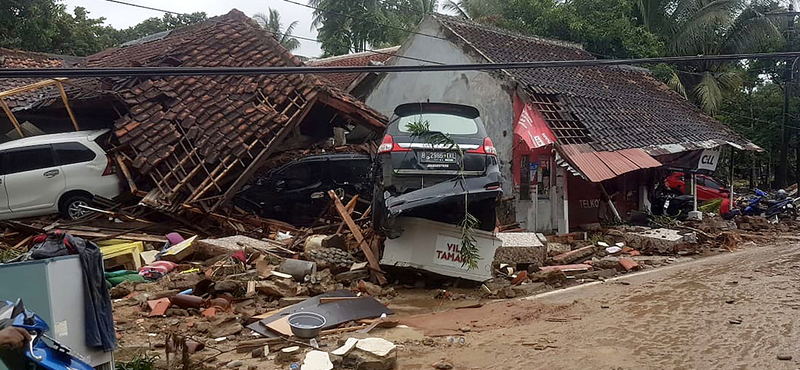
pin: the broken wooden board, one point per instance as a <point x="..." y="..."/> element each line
<point x="281" y="326"/>
<point x="366" y="248"/>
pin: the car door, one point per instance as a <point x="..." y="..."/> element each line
<point x="33" y="180"/>
<point x="704" y="192"/>
<point x="78" y="164"/>
<point x="4" y="209"/>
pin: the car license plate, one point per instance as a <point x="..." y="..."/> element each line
<point x="438" y="157"/>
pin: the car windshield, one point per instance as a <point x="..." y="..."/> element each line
<point x="444" y="123"/>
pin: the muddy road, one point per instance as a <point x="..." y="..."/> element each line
<point x="732" y="311"/>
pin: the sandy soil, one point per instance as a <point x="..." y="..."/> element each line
<point x="679" y="317"/>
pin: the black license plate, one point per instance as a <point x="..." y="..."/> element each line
<point x="438" y="157"/>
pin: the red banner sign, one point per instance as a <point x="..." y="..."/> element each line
<point x="533" y="129"/>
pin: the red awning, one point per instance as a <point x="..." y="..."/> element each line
<point x="601" y="166"/>
<point x="533" y="129"/>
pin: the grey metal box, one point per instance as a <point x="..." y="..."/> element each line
<point x="53" y="288"/>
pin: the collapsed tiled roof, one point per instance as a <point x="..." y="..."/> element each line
<point x="191" y="135"/>
<point x="25" y="59"/>
<point x="363" y="59"/>
<point x="609" y="107"/>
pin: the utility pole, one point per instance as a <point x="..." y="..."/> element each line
<point x="783" y="162"/>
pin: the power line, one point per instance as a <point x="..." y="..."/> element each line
<point x="277" y="33"/>
<point x="200" y="71"/>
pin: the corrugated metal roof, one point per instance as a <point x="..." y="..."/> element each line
<point x="640" y="158"/>
<point x="600" y="166"/>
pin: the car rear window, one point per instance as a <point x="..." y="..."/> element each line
<point x="73" y="152"/>
<point x="444" y="123"/>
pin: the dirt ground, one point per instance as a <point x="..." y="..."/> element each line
<point x="727" y="311"/>
<point x="679" y="317"/>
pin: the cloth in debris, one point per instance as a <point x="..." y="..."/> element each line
<point x="157" y="269"/>
<point x="97" y="303"/>
<point x="117" y="277"/>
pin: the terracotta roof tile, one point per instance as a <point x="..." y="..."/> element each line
<point x="219" y="116"/>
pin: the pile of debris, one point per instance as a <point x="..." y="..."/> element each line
<point x="205" y="292"/>
<point x="529" y="263"/>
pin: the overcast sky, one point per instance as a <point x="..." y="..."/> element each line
<point x="124" y="16"/>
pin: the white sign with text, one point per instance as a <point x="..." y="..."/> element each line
<point x="448" y="252"/>
<point x="709" y="158"/>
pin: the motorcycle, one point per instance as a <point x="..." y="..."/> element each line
<point x="785" y="207"/>
<point x="42" y="352"/>
<point x="753" y="207"/>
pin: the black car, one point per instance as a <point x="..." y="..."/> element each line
<point x="297" y="192"/>
<point x="420" y="179"/>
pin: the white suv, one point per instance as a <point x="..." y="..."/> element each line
<point x="46" y="174"/>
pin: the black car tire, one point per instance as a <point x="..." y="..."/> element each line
<point x="69" y="205"/>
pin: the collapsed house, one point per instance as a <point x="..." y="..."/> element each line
<point x="193" y="142"/>
<point x="568" y="138"/>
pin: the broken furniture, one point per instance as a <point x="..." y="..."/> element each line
<point x="121" y="253"/>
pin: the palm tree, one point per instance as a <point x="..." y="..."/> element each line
<point x="708" y="27"/>
<point x="428" y="6"/>
<point x="477" y="10"/>
<point x="272" y="23"/>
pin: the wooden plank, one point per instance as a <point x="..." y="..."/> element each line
<point x="265" y="153"/>
<point x="373" y="262"/>
<point x="134" y="237"/>
<point x="11" y="117"/>
<point x="336" y="299"/>
<point x="281" y="326"/>
<point x="350" y="207"/>
<point x="66" y="105"/>
<point x="126" y="173"/>
<point x="367" y="212"/>
<point x="23" y="242"/>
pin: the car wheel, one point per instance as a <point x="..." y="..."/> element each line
<point x="71" y="208"/>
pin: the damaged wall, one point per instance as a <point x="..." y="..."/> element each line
<point x="478" y="89"/>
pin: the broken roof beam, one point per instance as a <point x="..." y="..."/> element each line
<point x="273" y="144"/>
<point x="66" y="104"/>
<point x="33" y="86"/>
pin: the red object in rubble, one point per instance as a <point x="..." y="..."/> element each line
<point x="239" y="255"/>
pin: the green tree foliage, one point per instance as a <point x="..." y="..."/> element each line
<point x="155" y="25"/>
<point x="708" y="27"/>
<point x="47" y="26"/>
<point x="27" y="22"/>
<point x="476" y="10"/>
<point x="346" y="26"/>
<point x="607" y="28"/>
<point x="272" y="23"/>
